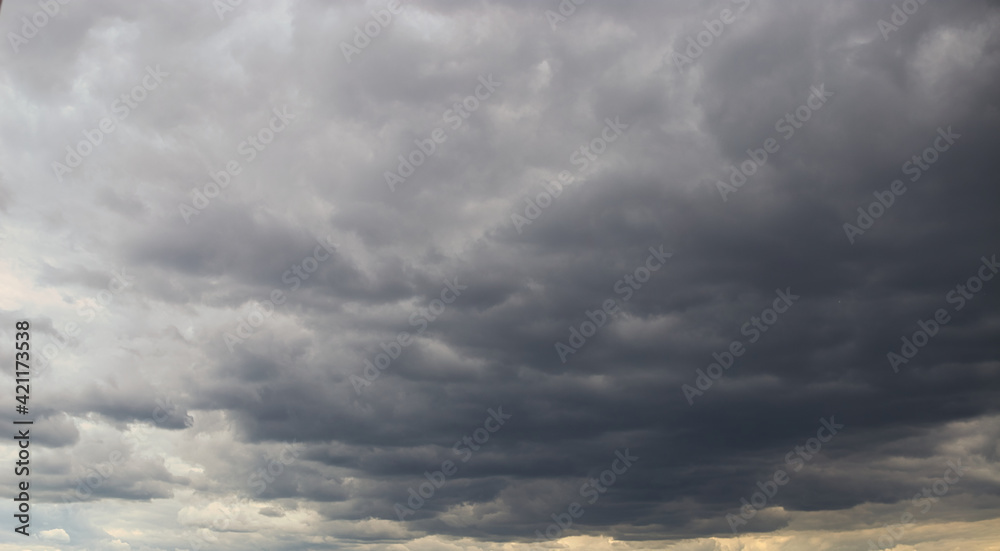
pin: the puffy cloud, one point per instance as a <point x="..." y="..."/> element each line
<point x="209" y="280"/>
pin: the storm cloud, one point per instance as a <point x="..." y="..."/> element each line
<point x="499" y="275"/>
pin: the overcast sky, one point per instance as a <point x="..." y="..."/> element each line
<point x="453" y="275"/>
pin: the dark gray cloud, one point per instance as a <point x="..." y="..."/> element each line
<point x="224" y="391"/>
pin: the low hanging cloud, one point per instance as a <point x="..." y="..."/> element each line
<point x="447" y="275"/>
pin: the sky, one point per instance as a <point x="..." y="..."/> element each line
<point x="498" y="275"/>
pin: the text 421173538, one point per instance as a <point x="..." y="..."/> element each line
<point x="21" y="372"/>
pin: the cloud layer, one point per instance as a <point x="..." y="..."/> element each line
<point x="287" y="263"/>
